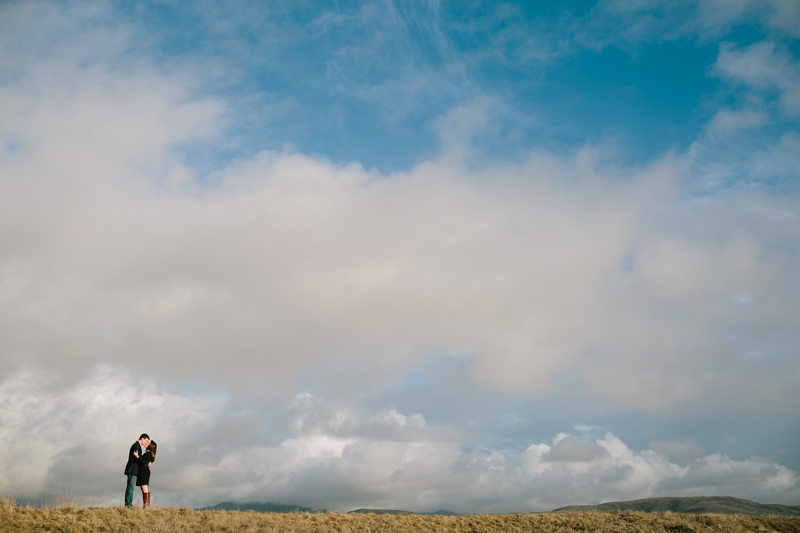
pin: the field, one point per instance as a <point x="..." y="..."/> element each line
<point x="176" y="520"/>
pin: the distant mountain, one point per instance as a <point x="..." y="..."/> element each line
<point x="690" y="504"/>
<point x="440" y="512"/>
<point x="262" y="508"/>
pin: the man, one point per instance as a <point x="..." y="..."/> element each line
<point x="132" y="468"/>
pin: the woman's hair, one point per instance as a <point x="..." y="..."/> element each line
<point x="152" y="448"/>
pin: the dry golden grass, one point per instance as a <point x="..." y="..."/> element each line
<point x="176" y="520"/>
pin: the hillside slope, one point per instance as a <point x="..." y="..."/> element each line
<point x="268" y="507"/>
<point x="689" y="504"/>
<point x="440" y="512"/>
<point x="15" y="519"/>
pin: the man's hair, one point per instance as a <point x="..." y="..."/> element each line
<point x="144" y="436"/>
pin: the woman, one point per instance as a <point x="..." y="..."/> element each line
<point x="143" y="478"/>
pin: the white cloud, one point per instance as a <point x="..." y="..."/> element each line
<point x="112" y="252"/>
<point x="729" y="120"/>
<point x="748" y="143"/>
<point x="678" y="450"/>
<point x="665" y="20"/>
<point x="763" y="67"/>
<point x="291" y="261"/>
<point x="75" y="440"/>
<point x="785" y="16"/>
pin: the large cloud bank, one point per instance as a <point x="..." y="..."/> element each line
<point x="75" y="442"/>
<point x="112" y="252"/>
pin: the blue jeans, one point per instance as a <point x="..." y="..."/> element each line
<point x="129" y="491"/>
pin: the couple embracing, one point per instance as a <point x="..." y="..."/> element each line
<point x="140" y="457"/>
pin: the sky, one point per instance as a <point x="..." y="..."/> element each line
<point x="477" y="256"/>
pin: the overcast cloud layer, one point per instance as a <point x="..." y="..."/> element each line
<point x="260" y="314"/>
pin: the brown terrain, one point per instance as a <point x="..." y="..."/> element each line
<point x="68" y="519"/>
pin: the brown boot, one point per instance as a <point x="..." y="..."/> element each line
<point x="146" y="498"/>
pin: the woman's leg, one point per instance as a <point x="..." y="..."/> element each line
<point x="145" y="497"/>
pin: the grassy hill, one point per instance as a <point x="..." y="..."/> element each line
<point x="182" y="520"/>
<point x="440" y="512"/>
<point x="268" y="507"/>
<point x="690" y="504"/>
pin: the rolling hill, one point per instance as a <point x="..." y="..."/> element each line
<point x="268" y="507"/>
<point x="440" y="512"/>
<point x="690" y="504"/>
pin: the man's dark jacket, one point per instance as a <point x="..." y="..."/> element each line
<point x="132" y="468"/>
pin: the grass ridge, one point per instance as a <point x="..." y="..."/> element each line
<point x="178" y="520"/>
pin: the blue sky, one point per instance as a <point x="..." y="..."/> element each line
<point x="364" y="82"/>
<point x="483" y="256"/>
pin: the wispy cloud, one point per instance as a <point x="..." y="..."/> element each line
<point x="746" y="140"/>
<point x="762" y="67"/>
